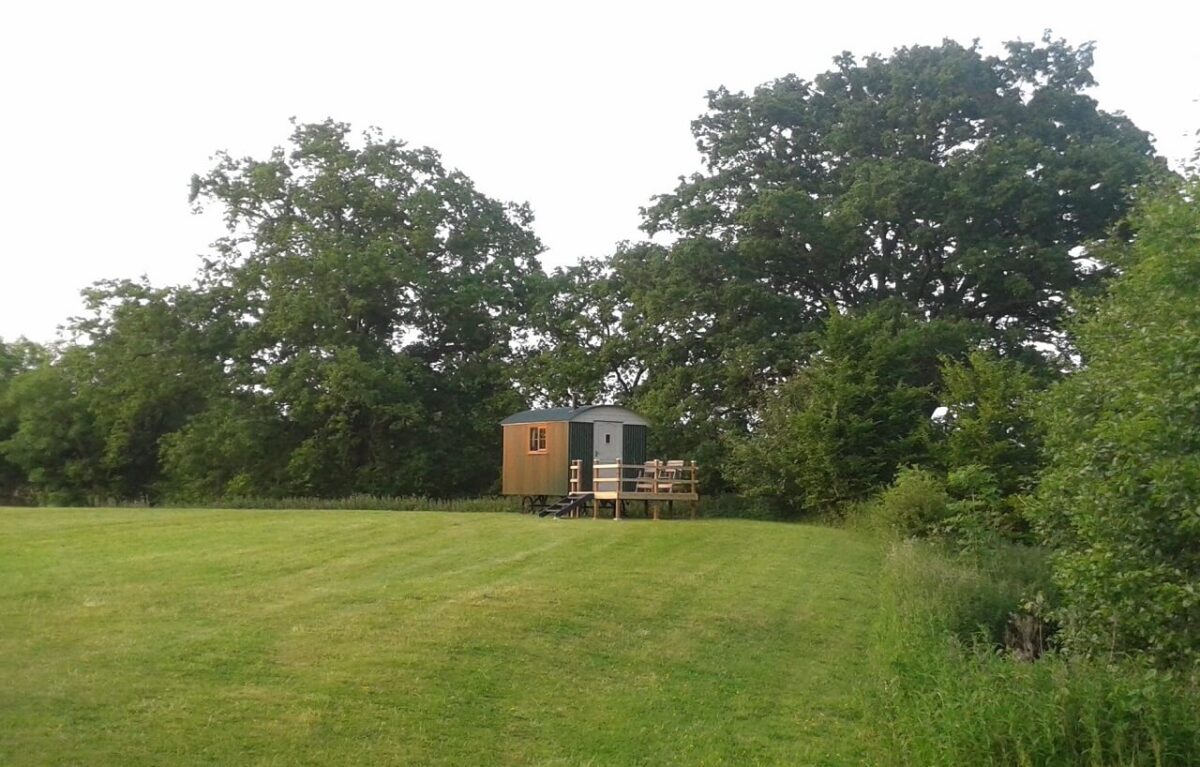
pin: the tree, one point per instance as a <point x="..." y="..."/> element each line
<point x="841" y="428"/>
<point x="373" y="298"/>
<point x="709" y="343"/>
<point x="989" y="419"/>
<point x="1119" y="497"/>
<point x="581" y="349"/>
<point x="152" y="359"/>
<point x="53" y="439"/>
<point x="966" y="186"/>
<point x="960" y="183"/>
<point x="16" y="358"/>
<point x="987" y="440"/>
<point x="353" y="332"/>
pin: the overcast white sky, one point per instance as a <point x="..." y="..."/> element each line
<point x="582" y="110"/>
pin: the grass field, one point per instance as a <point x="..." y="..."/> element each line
<point x="202" y="637"/>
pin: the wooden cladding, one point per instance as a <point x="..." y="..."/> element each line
<point x="527" y="472"/>
<point x="538" y="455"/>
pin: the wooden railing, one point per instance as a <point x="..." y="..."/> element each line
<point x="573" y="483"/>
<point x="655" y="478"/>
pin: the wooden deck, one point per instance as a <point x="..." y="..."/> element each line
<point x="655" y="482"/>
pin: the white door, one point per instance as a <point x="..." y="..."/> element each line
<point x="606" y="442"/>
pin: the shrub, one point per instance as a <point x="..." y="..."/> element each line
<point x="966" y="509"/>
<point x="1120" y="495"/>
<point x="980" y="512"/>
<point x="947" y="691"/>
<point x="989" y="420"/>
<point x="729" y="506"/>
<point x="858" y="410"/>
<point x="916" y="504"/>
<point x="363" y="503"/>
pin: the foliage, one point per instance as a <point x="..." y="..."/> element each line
<point x="54" y="440"/>
<point x="943" y="694"/>
<point x="353" y="332"/>
<point x="219" y="453"/>
<point x="369" y="315"/>
<point x="494" y="504"/>
<point x="988" y="420"/>
<point x="733" y="506"/>
<point x="153" y="360"/>
<point x="1119" y="498"/>
<point x="955" y="181"/>
<point x="987" y="440"/>
<point x="966" y="186"/>
<point x="580" y="346"/>
<point x="963" y="510"/>
<point x="842" y="426"/>
<point x="16" y="358"/>
<point x="983" y="454"/>
<point x="980" y="514"/>
<point x="373" y="297"/>
<point x="710" y="343"/>
<point x="916" y="504"/>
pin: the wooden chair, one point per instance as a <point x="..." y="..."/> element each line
<point x="645" y="480"/>
<point x="674" y="472"/>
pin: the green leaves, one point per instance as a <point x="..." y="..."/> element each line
<point x="842" y="426"/>
<point x="375" y="298"/>
<point x="989" y="422"/>
<point x="957" y="182"/>
<point x="354" y="331"/>
<point x="969" y="188"/>
<point x="1119" y="497"/>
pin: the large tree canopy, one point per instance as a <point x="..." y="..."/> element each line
<point x="958" y="182"/>
<point x="353" y="332"/>
<point x="966" y="186"/>
<point x="370" y="315"/>
<point x="373" y="247"/>
<point x="373" y="298"/>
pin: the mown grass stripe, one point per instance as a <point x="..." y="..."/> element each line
<point x="204" y="637"/>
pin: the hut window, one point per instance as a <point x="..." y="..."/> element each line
<point x="537" y="439"/>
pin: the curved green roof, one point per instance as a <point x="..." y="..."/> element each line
<point x="556" y="414"/>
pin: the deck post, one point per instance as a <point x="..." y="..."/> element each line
<point x="617" y="508"/>
<point x="657" y="508"/>
<point x="695" y="489"/>
<point x="595" y="507"/>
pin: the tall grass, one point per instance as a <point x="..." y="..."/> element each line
<point x="730" y="506"/>
<point x="947" y="692"/>
<point x="709" y="507"/>
<point x="366" y="503"/>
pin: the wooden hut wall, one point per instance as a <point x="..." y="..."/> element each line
<point x="528" y="473"/>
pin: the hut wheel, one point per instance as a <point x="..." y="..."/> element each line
<point x="527" y="504"/>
